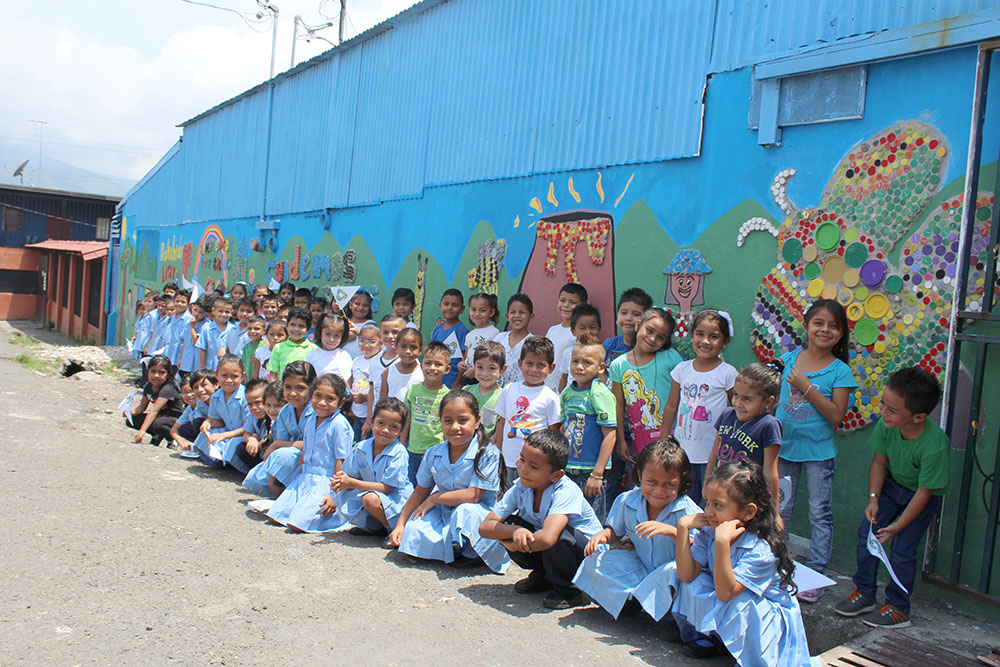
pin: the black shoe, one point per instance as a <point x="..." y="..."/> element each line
<point x="465" y="563"/>
<point x="699" y="651"/>
<point x="669" y="632"/>
<point x="560" y="601"/>
<point x="631" y="608"/>
<point x="533" y="583"/>
<point x="156" y="440"/>
<point x="358" y="530"/>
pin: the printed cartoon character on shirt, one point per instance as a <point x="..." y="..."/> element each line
<point x="362" y="381"/>
<point x="521" y="420"/>
<point x="798" y="409"/>
<point x="643" y="404"/>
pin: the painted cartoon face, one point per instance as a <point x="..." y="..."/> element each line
<point x="522" y="402"/>
<point x="631" y="386"/>
<point x="684" y="287"/>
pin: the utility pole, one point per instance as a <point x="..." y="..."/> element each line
<point x="274" y="32"/>
<point x="41" y="129"/>
<point x="295" y="35"/>
<point x="343" y="15"/>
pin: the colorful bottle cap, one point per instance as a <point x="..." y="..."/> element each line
<point x="877" y="305"/>
<point x="791" y="250"/>
<point x="827" y="236"/>
<point x="812" y="269"/>
<point x="865" y="331"/>
<point x="816" y="287"/>
<point x="856" y="254"/>
<point x="855" y="311"/>
<point x="833" y="269"/>
<point x="893" y="284"/>
<point x="860" y="292"/>
<point x="829" y="291"/>
<point x="810" y="252"/>
<point x="873" y="272"/>
<point x="845" y="296"/>
<point x="851" y="277"/>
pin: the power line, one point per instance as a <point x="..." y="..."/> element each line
<point x="69" y="141"/>
<point x="245" y="16"/>
<point x="52" y="215"/>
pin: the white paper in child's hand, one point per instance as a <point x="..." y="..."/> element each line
<point x="126" y="406"/>
<point x="808" y="579"/>
<point x="784" y="494"/>
<point x="875" y="549"/>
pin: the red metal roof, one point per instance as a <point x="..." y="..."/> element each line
<point x="88" y="249"/>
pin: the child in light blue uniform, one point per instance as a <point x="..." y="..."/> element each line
<point x="747" y="603"/>
<point x="281" y="458"/>
<point x="144" y="326"/>
<point x="201" y="385"/>
<point x="212" y="337"/>
<point x="464" y="473"/>
<point x="227" y="412"/>
<point x="326" y="441"/>
<point x="190" y="359"/>
<point x="549" y="540"/>
<point x="180" y="327"/>
<point x="647" y="515"/>
<point x="159" y="340"/>
<point x="373" y="484"/>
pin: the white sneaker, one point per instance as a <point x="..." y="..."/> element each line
<point x="262" y="505"/>
<point x="810" y="596"/>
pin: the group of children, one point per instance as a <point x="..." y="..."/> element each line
<point x="613" y="470"/>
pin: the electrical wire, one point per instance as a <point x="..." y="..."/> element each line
<point x="250" y="18"/>
<point x="51" y="215"/>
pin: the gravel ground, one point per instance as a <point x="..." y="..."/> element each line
<point x="118" y="552"/>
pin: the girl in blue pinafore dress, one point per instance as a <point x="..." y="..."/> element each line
<point x="373" y="484"/>
<point x="227" y="412"/>
<point x="746" y="601"/>
<point x="647" y="515"/>
<point x="464" y="473"/>
<point x="326" y="441"/>
<point x="281" y="458"/>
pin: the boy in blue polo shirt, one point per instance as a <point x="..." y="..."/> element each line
<point x="212" y="339"/>
<point x="908" y="475"/>
<point x="588" y="416"/>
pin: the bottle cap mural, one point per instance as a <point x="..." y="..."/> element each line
<point x="874" y="246"/>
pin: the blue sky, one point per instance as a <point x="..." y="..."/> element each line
<point x="113" y="78"/>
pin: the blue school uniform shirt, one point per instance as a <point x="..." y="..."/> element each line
<point x="190" y="355"/>
<point x="754" y="564"/>
<point x="144" y="330"/>
<point x="212" y="339"/>
<point x="191" y="412"/>
<point x="258" y="427"/>
<point x="615" y="347"/>
<point x="806" y="434"/>
<point x="236" y="339"/>
<point x="390" y="467"/>
<point x="160" y="336"/>
<point x="180" y="337"/>
<point x="233" y="412"/>
<point x="563" y="497"/>
<point x="325" y="442"/>
<point x="437" y="470"/>
<point x="440" y="333"/>
<point x="630" y="509"/>
<point x="289" y="427"/>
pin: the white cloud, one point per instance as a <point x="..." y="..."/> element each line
<point x="93" y="93"/>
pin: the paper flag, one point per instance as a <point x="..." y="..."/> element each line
<point x="875" y="549"/>
<point x="343" y="294"/>
<point x="129" y="346"/>
<point x="273" y="285"/>
<point x="784" y="493"/>
<point x="126" y="406"/>
<point x="452" y="342"/>
<point x="193" y="286"/>
<point x="162" y="350"/>
<point x="808" y="579"/>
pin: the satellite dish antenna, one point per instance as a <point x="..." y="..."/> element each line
<point x="20" y="171"/>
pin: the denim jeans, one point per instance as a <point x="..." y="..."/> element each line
<point x="598" y="502"/>
<point x="618" y="479"/>
<point x="414" y="466"/>
<point x="819" y="479"/>
<point x="697" y="482"/>
<point x="903" y="554"/>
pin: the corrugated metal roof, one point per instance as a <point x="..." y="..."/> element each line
<point x="749" y="30"/>
<point x="87" y="249"/>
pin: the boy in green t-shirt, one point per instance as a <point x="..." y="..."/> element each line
<point x="589" y="420"/>
<point x="489" y="361"/>
<point x="293" y="348"/>
<point x="423" y="426"/>
<point x="255" y="332"/>
<point x="908" y="475"/>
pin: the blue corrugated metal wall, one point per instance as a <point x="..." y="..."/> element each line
<point x="467" y="90"/>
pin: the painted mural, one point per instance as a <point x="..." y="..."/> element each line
<point x="882" y="241"/>
<point x="876" y="246"/>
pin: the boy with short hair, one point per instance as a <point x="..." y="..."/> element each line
<point x="423" y="424"/>
<point x="403" y="303"/>
<point x="212" y="339"/>
<point x="908" y="475"/>
<point x="269" y="305"/>
<point x="452" y="306"/>
<point x="317" y="308"/>
<point x="571" y="295"/>
<point x="589" y="421"/>
<point x="159" y="334"/>
<point x="489" y="360"/>
<point x="548" y="541"/>
<point x="191" y="355"/>
<point x="180" y="326"/>
<point x="303" y="298"/>
<point x="260" y="290"/>
<point x="295" y="347"/>
<point x="255" y="333"/>
<point x="283" y="311"/>
<point x="631" y="305"/>
<point x="237" y="338"/>
<point x="144" y="325"/>
<point x="201" y="385"/>
<point x="170" y="290"/>
<point x="275" y="332"/>
<point x="585" y="319"/>
<point x="389" y="329"/>
<point x="529" y="405"/>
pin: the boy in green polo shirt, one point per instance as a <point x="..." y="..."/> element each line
<point x="296" y="346"/>
<point x="423" y="428"/>
<point x="908" y="475"/>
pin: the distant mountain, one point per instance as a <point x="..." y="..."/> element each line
<point x="56" y="174"/>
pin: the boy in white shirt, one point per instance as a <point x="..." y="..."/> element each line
<point x="570" y="296"/>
